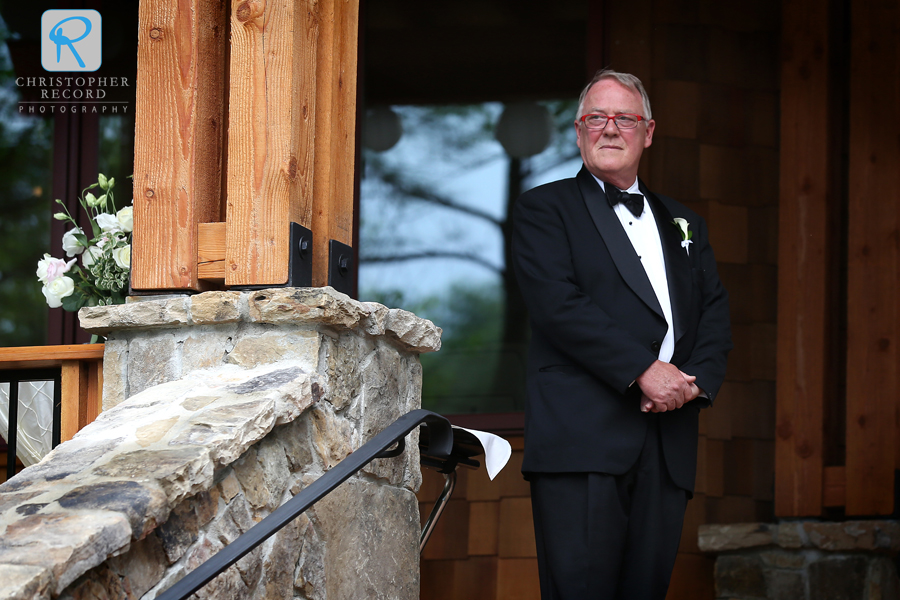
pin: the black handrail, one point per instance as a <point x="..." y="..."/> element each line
<point x="440" y="446"/>
<point x="14" y="377"/>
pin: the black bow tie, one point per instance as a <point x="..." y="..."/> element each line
<point x="633" y="202"/>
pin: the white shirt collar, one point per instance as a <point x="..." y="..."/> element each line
<point x="634" y="188"/>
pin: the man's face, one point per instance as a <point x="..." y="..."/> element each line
<point x="612" y="154"/>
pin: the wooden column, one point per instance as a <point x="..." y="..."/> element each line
<point x="335" y="158"/>
<point x="291" y="145"/>
<point x="179" y="136"/>
<point x="872" y="287"/>
<point x="804" y="246"/>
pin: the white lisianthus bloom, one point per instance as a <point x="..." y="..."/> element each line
<point x="122" y="256"/>
<point x="107" y="222"/>
<point x="91" y="254"/>
<point x="125" y="218"/>
<point x="58" y="289"/>
<point x="50" y="269"/>
<point x="71" y="244"/>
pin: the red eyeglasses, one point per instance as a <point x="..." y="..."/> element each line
<point x="623" y="121"/>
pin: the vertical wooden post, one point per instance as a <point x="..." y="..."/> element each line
<point x="264" y="168"/>
<point x="292" y="119"/>
<point x="74" y="384"/>
<point x="803" y="248"/>
<point x="82" y="383"/>
<point x="179" y="136"/>
<point x="873" y="265"/>
<point x="335" y="130"/>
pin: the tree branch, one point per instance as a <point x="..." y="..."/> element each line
<point x="419" y="192"/>
<point x="427" y="254"/>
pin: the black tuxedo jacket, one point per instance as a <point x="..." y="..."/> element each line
<point x="597" y="325"/>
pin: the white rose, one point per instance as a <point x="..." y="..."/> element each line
<point x="125" y="218"/>
<point x="122" y="256"/>
<point x="107" y="222"/>
<point x="58" y="289"/>
<point x="50" y="268"/>
<point x="71" y="244"/>
<point x="42" y="268"/>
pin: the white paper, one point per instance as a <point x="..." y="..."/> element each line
<point x="496" y="451"/>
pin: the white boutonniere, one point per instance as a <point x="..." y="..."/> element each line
<point x="686" y="234"/>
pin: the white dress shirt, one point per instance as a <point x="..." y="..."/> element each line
<point x="644" y="236"/>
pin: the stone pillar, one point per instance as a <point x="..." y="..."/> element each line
<point x="218" y="408"/>
<point x="805" y="560"/>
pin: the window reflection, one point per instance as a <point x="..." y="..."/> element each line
<point x="433" y="226"/>
<point x="25" y="205"/>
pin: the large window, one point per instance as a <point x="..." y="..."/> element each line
<point x="434" y="234"/>
<point x="442" y="83"/>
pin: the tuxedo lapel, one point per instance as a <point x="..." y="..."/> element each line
<point x="616" y="240"/>
<point x="678" y="264"/>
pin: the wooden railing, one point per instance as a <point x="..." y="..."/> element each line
<point x="81" y="371"/>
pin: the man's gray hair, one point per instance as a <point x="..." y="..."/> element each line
<point x="626" y="79"/>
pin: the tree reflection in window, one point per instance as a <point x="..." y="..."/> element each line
<point x="434" y="239"/>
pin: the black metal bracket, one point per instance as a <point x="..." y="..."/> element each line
<point x="340" y="266"/>
<point x="397" y="450"/>
<point x="299" y="261"/>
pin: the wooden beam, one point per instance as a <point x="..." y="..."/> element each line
<point x="179" y="132"/>
<point x="270" y="148"/>
<point x="834" y="489"/>
<point x="335" y="142"/>
<point x="74" y="383"/>
<point x="803" y="249"/>
<point x="873" y="265"/>
<point x="38" y="357"/>
<point x="292" y="123"/>
<point x="211" y="251"/>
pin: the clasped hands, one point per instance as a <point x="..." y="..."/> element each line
<point x="665" y="387"/>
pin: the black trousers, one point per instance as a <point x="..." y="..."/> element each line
<point x="602" y="536"/>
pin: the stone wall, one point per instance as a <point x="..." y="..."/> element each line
<point x="235" y="402"/>
<point x="805" y="560"/>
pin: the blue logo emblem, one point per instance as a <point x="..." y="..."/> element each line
<point x="71" y="40"/>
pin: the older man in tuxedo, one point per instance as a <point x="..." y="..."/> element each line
<point x="630" y="334"/>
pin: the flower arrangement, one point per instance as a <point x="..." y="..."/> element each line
<point x="102" y="277"/>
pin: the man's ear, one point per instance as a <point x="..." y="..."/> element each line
<point x="648" y="139"/>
